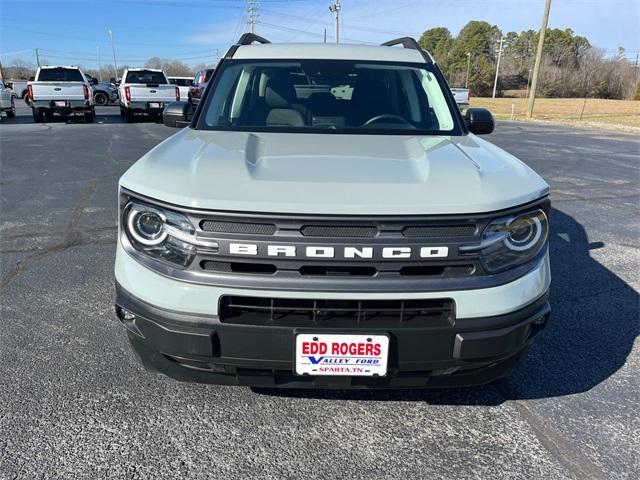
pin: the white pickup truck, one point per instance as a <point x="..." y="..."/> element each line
<point x="145" y="90"/>
<point x="461" y="96"/>
<point x="60" y="89"/>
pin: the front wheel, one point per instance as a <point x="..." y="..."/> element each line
<point x="101" y="99"/>
<point x="12" y="113"/>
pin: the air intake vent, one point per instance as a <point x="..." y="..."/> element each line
<point x="309" y="312"/>
<point x="238" y="227"/>
<point x="337" y="231"/>
<point x="238" y="267"/>
<point x="439" y="231"/>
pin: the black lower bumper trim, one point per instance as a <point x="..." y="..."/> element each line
<point x="199" y="348"/>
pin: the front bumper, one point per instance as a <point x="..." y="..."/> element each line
<point x="201" y="348"/>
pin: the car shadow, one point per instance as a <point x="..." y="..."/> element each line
<point x="594" y="323"/>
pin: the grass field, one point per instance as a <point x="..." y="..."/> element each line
<point x="625" y="113"/>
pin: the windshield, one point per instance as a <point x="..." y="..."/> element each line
<point x="327" y="95"/>
<point x="145" y="76"/>
<point x="60" y="75"/>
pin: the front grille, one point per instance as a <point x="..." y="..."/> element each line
<point x="338" y="231"/>
<point x="439" y="231"/>
<point x="335" y="270"/>
<point x="238" y="227"/>
<point x="343" y="313"/>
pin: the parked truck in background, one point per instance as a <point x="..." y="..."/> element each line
<point x="145" y="91"/>
<point x="183" y="83"/>
<point x="199" y="82"/>
<point x="103" y="92"/>
<point x="7" y="104"/>
<point x="461" y="96"/>
<point x="62" y="90"/>
<point x="19" y="88"/>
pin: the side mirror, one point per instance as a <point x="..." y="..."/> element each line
<point x="112" y="80"/>
<point x="479" y="121"/>
<point x="94" y="81"/>
<point x="177" y="114"/>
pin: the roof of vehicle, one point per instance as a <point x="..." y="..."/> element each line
<point x="328" y="51"/>
<point x="185" y="78"/>
<point x="138" y="69"/>
<point x="75" y="67"/>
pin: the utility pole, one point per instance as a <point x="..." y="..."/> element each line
<point x="335" y="9"/>
<point x="495" y="82"/>
<point x="99" y="66"/>
<point x="251" y="16"/>
<point x="536" y="66"/>
<point x="1" y="72"/>
<point x="37" y="57"/>
<point x="113" y="49"/>
<point x="325" y="35"/>
<point x="466" y="82"/>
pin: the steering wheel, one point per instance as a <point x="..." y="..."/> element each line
<point x="388" y="116"/>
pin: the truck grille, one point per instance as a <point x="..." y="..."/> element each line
<point x="313" y="312"/>
<point x="336" y="270"/>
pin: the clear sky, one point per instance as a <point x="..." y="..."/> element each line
<point x="71" y="31"/>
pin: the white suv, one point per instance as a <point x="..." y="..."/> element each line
<point x="329" y="219"/>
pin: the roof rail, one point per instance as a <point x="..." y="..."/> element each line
<point x="249" y="38"/>
<point x="409" y="42"/>
<point x="245" y="39"/>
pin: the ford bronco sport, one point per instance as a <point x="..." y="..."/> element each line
<point x="329" y="219"/>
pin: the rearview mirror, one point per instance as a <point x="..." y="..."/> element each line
<point x="479" y="121"/>
<point x="177" y="114"/>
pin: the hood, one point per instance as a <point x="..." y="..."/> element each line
<point x="333" y="174"/>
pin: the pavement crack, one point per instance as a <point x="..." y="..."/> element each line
<point x="72" y="238"/>
<point x="552" y="440"/>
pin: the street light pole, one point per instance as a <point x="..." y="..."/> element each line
<point x="466" y="82"/>
<point x="113" y="49"/>
<point x="536" y="66"/>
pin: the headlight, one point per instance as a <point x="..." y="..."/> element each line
<point x="159" y="233"/>
<point x="511" y="241"/>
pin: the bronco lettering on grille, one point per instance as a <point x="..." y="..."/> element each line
<point x="313" y="251"/>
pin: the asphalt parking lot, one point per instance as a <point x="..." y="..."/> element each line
<point x="75" y="404"/>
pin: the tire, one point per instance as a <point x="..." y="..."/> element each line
<point x="129" y="115"/>
<point x="122" y="112"/>
<point x="12" y="113"/>
<point x="90" y="117"/>
<point x="38" y="116"/>
<point x="48" y="115"/>
<point x="24" y="93"/>
<point x="101" y="99"/>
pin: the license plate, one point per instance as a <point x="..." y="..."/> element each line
<point x="155" y="105"/>
<point x="59" y="103"/>
<point x="342" y="355"/>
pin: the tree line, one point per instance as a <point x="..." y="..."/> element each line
<point x="571" y="66"/>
